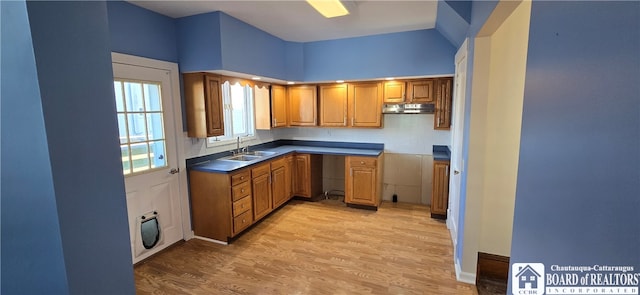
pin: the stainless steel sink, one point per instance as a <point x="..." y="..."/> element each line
<point x="261" y="153"/>
<point x="243" y="158"/>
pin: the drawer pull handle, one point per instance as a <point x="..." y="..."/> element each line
<point x="362" y="162"/>
<point x="242" y="190"/>
<point x="243" y="221"/>
<point x="241" y="177"/>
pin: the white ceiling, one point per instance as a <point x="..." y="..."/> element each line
<point x="298" y="21"/>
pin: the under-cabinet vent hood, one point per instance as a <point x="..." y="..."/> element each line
<point x="408" y="108"/>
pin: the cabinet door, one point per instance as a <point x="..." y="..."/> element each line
<point x="203" y="105"/>
<point x="213" y="105"/>
<point x="288" y="176"/>
<point x="302" y="106"/>
<point x="393" y="92"/>
<point x="278" y="186"/>
<point x="261" y="188"/>
<point x="442" y="118"/>
<point x="333" y="105"/>
<point x="365" y="101"/>
<point x="361" y="182"/>
<point x="279" y="112"/>
<point x="301" y="183"/>
<point x="440" y="193"/>
<point x="421" y="91"/>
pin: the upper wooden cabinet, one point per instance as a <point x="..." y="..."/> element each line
<point x="333" y="105"/>
<point x="365" y="104"/>
<point x="351" y="105"/>
<point x="302" y="105"/>
<point x="393" y="91"/>
<point x="279" y="110"/>
<point x="421" y="91"/>
<point x="442" y="118"/>
<point x="203" y="100"/>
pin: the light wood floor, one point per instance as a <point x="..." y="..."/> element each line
<point x="315" y="248"/>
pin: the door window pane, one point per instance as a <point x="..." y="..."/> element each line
<point x="140" y="125"/>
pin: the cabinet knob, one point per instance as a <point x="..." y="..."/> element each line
<point x="241" y="177"/>
<point x="243" y="221"/>
<point x="242" y="190"/>
<point x="242" y="206"/>
<point x="362" y="162"/>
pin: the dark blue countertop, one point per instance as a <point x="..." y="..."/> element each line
<point x="212" y="163"/>
<point x="441" y="153"/>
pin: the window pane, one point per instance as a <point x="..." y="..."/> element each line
<point x="126" y="165"/>
<point x="117" y="87"/>
<point x="154" y="126"/>
<point x="158" y="158"/>
<point x="122" y="128"/>
<point x="152" y="97"/>
<point x="137" y="128"/>
<point x="238" y="110"/>
<point x="133" y="96"/>
<point x="140" y="156"/>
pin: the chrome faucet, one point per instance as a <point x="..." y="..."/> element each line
<point x="238" y="146"/>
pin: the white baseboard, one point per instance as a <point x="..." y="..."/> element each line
<point x="465" y="277"/>
<point x="453" y="230"/>
<point x="211" y="240"/>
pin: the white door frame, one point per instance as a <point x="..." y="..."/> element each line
<point x="174" y="74"/>
<point x="457" y="134"/>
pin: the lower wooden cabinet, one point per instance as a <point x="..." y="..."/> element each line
<point x="279" y="183"/>
<point x="363" y="180"/>
<point x="440" y="192"/>
<point x="307" y="176"/>
<point x="261" y="188"/>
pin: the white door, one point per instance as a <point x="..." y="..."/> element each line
<point x="457" y="139"/>
<point x="149" y="155"/>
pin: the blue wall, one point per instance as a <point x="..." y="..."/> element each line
<point x="199" y="47"/>
<point x="413" y="53"/>
<point x="32" y="257"/>
<point x="578" y="193"/>
<point x="480" y="12"/>
<point x="246" y="49"/>
<point x="452" y="25"/>
<point x="73" y="58"/>
<point x="137" y="31"/>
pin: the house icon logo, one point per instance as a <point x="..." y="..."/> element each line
<point x="527" y="278"/>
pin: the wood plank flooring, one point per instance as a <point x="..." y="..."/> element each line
<point x="315" y="248"/>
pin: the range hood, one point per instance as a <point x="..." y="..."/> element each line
<point x="409" y="108"/>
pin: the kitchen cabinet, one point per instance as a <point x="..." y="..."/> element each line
<point x="221" y="204"/>
<point x="365" y="104"/>
<point x="393" y="91"/>
<point x="307" y="176"/>
<point x="363" y="180"/>
<point x="288" y="176"/>
<point x="302" y="105"/>
<point x="279" y="182"/>
<point x="421" y="91"/>
<point x="351" y="105"/>
<point x="440" y="191"/>
<point x="442" y="118"/>
<point x="333" y="105"/>
<point x="203" y="101"/>
<point x="279" y="106"/>
<point x="261" y="189"/>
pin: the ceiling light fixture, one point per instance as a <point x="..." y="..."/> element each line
<point x="390" y="78"/>
<point x="291" y="82"/>
<point x="256" y="78"/>
<point x="329" y="8"/>
<point x="339" y="81"/>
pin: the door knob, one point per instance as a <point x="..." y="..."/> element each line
<point x="174" y="171"/>
<point x="456" y="172"/>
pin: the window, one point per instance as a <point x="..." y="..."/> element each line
<point x="238" y="113"/>
<point x="142" y="140"/>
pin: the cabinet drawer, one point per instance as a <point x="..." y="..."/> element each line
<point x="240" y="177"/>
<point x="260" y="170"/>
<point x="275" y="164"/>
<point x="240" y="191"/>
<point x="242" y="221"/>
<point x="241" y="206"/>
<point x="362" y="162"/>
